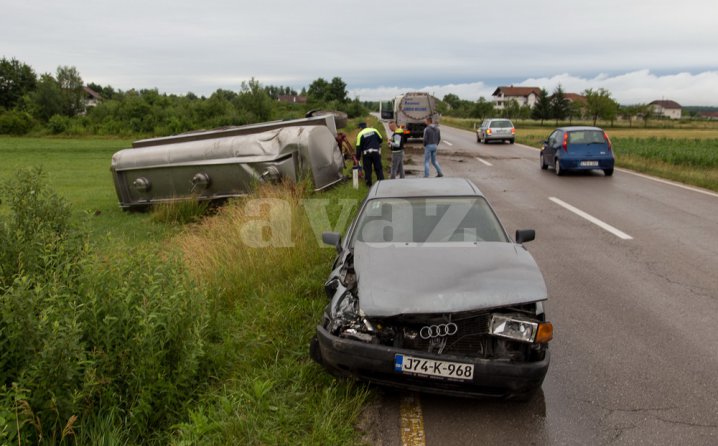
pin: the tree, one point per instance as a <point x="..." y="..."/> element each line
<point x="599" y="104"/>
<point x="71" y="86"/>
<point x="542" y="108"/>
<point x="575" y="110"/>
<point x="482" y="109"/>
<point x="452" y="100"/>
<point x="255" y="100"/>
<point x="338" y="90"/>
<point x="646" y="112"/>
<point x="16" y="80"/>
<point x="322" y="91"/>
<point x="47" y="99"/>
<point x="629" y="112"/>
<point x="559" y="104"/>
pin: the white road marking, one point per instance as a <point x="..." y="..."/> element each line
<point x="484" y="161"/>
<point x="670" y="183"/>
<point x="446" y="142"/>
<point x="592" y="219"/>
<point x="412" y="421"/>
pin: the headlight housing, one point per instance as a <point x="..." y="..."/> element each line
<point x="520" y="329"/>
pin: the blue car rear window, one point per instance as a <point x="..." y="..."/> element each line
<point x="586" y="137"/>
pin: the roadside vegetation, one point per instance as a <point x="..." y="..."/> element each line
<point x="164" y="327"/>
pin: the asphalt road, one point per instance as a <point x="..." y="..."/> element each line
<point x="634" y="306"/>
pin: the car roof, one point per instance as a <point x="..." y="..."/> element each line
<point x="424" y="187"/>
<point x="579" y="127"/>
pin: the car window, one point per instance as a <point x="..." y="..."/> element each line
<point x="501" y="124"/>
<point x="428" y="220"/>
<point x="553" y="138"/>
<point x="586" y="137"/>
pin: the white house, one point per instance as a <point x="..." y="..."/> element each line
<point x="522" y="95"/>
<point x="669" y="109"/>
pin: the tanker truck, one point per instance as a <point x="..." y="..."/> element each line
<point x="411" y="109"/>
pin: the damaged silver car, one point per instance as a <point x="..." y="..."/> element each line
<point x="429" y="293"/>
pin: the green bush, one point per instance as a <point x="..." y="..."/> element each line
<point x="90" y="341"/>
<point x="58" y="124"/>
<point x="15" y="123"/>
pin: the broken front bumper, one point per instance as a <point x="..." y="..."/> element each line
<point x="375" y="363"/>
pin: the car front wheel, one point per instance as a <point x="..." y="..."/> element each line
<point x="544" y="166"/>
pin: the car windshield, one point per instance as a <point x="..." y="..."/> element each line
<point x="503" y="124"/>
<point x="586" y="137"/>
<point x="428" y="220"/>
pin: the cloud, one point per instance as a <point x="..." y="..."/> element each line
<point x="641" y="86"/>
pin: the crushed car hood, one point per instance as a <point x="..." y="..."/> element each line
<point x="395" y="279"/>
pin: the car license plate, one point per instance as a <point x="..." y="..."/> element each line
<point x="412" y="365"/>
<point x="589" y="163"/>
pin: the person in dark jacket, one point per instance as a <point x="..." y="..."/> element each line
<point x="368" y="148"/>
<point x="432" y="138"/>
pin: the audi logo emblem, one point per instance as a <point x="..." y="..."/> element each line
<point x="438" y="331"/>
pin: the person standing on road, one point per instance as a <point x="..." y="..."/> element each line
<point x="368" y="148"/>
<point x="397" y="150"/>
<point x="432" y="137"/>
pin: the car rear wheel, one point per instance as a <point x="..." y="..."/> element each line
<point x="478" y="138"/>
<point x="557" y="168"/>
<point x="544" y="166"/>
<point x="511" y="141"/>
<point x="608" y="172"/>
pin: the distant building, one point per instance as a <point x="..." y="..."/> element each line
<point x="293" y="99"/>
<point x="92" y="98"/>
<point x="522" y="95"/>
<point x="669" y="109"/>
<point x="575" y="97"/>
<point x="709" y="115"/>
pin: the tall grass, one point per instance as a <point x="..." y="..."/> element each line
<point x="261" y="256"/>
<point x="91" y="340"/>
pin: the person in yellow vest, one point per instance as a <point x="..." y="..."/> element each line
<point x="396" y="144"/>
<point x="368" y="148"/>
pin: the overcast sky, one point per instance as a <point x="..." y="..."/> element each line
<point x="639" y="50"/>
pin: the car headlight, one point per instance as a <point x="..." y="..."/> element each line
<point x="521" y="330"/>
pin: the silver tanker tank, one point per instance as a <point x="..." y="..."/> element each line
<point x="219" y="164"/>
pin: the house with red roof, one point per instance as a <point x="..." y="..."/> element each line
<point x="522" y="95"/>
<point x="669" y="109"/>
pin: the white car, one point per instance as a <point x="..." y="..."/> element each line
<point x="496" y="130"/>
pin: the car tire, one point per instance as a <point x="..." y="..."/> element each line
<point x="544" y="166"/>
<point x="608" y="172"/>
<point x="478" y="138"/>
<point x="557" y="167"/>
<point x="511" y="141"/>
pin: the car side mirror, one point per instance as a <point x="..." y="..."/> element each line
<point x="333" y="239"/>
<point x="525" y="235"/>
<point x="545" y="142"/>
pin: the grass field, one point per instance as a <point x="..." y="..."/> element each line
<point x="265" y="304"/>
<point x="688" y="155"/>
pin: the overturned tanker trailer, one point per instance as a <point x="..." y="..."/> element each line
<point x="219" y="164"/>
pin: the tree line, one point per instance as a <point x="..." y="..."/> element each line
<point x="59" y="104"/>
<point x="594" y="104"/>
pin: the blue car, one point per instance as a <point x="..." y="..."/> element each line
<point x="578" y="148"/>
